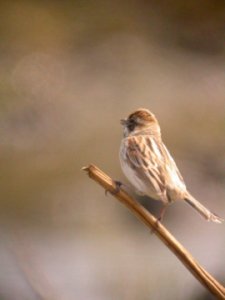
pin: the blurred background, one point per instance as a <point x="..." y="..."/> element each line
<point x="69" y="71"/>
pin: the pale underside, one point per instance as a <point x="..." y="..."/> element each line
<point x="150" y="168"/>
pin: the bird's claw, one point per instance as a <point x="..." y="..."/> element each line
<point x="118" y="185"/>
<point x="157" y="222"/>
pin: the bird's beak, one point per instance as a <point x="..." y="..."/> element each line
<point x="123" y="122"/>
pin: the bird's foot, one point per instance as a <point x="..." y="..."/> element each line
<point x="160" y="218"/>
<point x="118" y="185"/>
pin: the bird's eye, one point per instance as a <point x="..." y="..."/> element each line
<point x="131" y="124"/>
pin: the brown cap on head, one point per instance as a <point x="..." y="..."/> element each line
<point x="143" y="114"/>
<point x="139" y="121"/>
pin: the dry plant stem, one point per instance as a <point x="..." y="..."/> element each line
<point x="182" y="254"/>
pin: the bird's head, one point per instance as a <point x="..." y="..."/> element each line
<point x="140" y="121"/>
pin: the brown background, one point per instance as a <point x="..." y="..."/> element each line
<point x="69" y="71"/>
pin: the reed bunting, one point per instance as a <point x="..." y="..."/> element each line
<point x="150" y="168"/>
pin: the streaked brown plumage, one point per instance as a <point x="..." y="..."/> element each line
<point x="149" y="166"/>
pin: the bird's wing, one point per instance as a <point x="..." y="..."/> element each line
<point x="144" y="155"/>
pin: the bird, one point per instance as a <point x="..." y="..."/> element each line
<point x="150" y="168"/>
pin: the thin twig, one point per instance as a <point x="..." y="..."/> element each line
<point x="166" y="237"/>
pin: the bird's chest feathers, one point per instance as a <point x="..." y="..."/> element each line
<point x="132" y="175"/>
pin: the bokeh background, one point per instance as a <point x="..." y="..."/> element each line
<point x="69" y="71"/>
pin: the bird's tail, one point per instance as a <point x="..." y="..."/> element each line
<point x="207" y="214"/>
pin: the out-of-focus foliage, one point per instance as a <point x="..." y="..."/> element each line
<point x="69" y="71"/>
